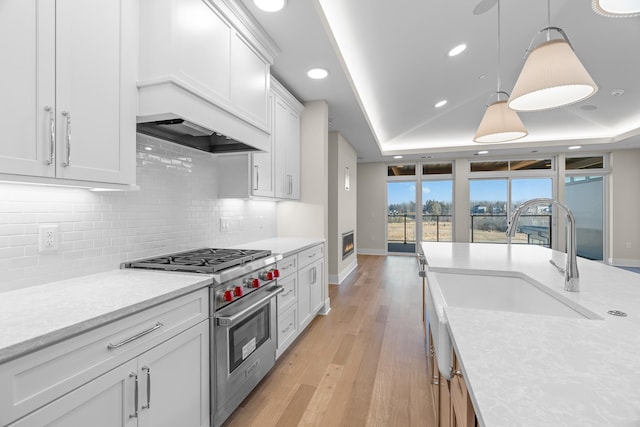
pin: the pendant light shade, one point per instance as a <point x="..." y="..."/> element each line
<point x="500" y="124"/>
<point x="617" y="8"/>
<point x="552" y="77"/>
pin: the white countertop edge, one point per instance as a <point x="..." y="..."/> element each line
<point x="32" y="340"/>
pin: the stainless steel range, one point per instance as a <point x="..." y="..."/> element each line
<point x="243" y="317"/>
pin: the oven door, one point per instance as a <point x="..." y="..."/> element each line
<point x="245" y="347"/>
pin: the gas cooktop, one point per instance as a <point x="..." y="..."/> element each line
<point x="206" y="260"/>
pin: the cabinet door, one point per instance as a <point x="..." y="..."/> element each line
<point x="27" y="49"/>
<point x="286" y="131"/>
<point x="175" y="381"/>
<point x="304" y="291"/>
<point x="310" y="279"/>
<point x="107" y="401"/>
<point x="262" y="167"/>
<point x="90" y="46"/>
<point x="316" y="293"/>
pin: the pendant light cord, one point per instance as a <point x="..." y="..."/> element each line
<point x="548" y="20"/>
<point x="498" y="61"/>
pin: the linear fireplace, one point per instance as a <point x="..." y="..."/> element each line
<point x="347" y="244"/>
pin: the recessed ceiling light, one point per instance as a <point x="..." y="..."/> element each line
<point x="575" y="147"/>
<point x="317" y="73"/>
<point x="457" y="50"/>
<point x="441" y="103"/>
<point x="483" y="152"/>
<point x="148" y="148"/>
<point x="482" y="76"/>
<point x="270" y="5"/>
<point x="617" y="92"/>
<point x="397" y="157"/>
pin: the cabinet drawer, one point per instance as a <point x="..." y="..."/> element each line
<point x="310" y="255"/>
<point x="36" y="379"/>
<point x="289" y="295"/>
<point x="288" y="266"/>
<point x="287" y="328"/>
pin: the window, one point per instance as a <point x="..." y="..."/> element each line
<point x="437" y="210"/>
<point x="492" y="201"/>
<point x="579" y="163"/>
<point x="585" y="197"/>
<point x="401" y="170"/>
<point x="401" y="216"/>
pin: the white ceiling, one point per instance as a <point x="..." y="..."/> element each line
<point x="388" y="66"/>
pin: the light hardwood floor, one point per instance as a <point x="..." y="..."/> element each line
<point x="364" y="364"/>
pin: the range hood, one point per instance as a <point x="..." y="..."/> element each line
<point x="186" y="133"/>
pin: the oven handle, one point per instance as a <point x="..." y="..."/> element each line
<point x="228" y="321"/>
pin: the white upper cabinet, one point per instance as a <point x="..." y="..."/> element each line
<point x="286" y="140"/>
<point x="71" y="89"/>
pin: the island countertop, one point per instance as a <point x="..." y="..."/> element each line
<point x="532" y="370"/>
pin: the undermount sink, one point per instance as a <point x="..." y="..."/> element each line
<point x="490" y="290"/>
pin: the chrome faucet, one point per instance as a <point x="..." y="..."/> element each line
<point x="571" y="275"/>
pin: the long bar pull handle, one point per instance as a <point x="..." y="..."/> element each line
<point x="257" y="169"/>
<point x="135" y="337"/>
<point x="67" y="116"/>
<point x="52" y="134"/>
<point x="148" y="404"/>
<point x="135" y="395"/>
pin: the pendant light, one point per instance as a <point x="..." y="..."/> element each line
<point x="617" y="8"/>
<point x="552" y="75"/>
<point x="499" y="123"/>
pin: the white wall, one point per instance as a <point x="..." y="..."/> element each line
<point x="176" y="209"/>
<point x="624" y="238"/>
<point x="343" y="205"/>
<point x="372" y="208"/>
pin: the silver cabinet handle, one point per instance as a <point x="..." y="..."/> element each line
<point x="135" y="395"/>
<point x="52" y="134"/>
<point x="148" y="404"/>
<point x="288" y="292"/>
<point x="135" y="337"/>
<point x="287" y="328"/>
<point x="257" y="169"/>
<point x="290" y="177"/>
<point x="67" y="116"/>
<point x="313" y="275"/>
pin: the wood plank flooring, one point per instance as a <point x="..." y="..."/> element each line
<point x="364" y="364"/>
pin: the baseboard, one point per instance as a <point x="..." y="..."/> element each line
<point x="621" y="262"/>
<point x="337" y="279"/>
<point x="326" y="308"/>
<point x="371" y="251"/>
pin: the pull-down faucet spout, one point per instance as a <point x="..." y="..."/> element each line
<point x="571" y="275"/>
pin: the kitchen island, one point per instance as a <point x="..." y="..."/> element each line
<point x="532" y="370"/>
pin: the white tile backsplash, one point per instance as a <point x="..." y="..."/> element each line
<point x="176" y="209"/>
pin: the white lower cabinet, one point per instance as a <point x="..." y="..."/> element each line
<point x="302" y="277"/>
<point x="150" y="369"/>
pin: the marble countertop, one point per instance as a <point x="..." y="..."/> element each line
<point x="34" y="317"/>
<point x="532" y="370"/>
<point x="282" y="245"/>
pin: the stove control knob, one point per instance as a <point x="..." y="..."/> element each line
<point x="226" y="296"/>
<point x="237" y="291"/>
<point x="252" y="283"/>
<point x="266" y="275"/>
<point x="276" y="273"/>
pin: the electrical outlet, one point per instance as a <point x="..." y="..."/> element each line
<point x="48" y="238"/>
<point x="224" y="224"/>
